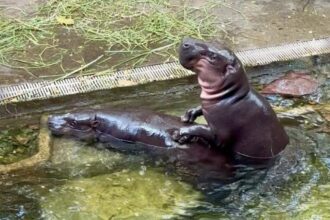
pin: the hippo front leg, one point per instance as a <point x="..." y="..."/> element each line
<point x="185" y="134"/>
<point x="191" y="114"/>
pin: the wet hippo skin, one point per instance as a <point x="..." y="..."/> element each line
<point x="240" y="123"/>
<point x="143" y="131"/>
<point x="239" y="120"/>
<point x="136" y="126"/>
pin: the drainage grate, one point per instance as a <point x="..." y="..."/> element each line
<point x="83" y="84"/>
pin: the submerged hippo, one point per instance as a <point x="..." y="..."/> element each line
<point x="239" y="120"/>
<point x="143" y="131"/>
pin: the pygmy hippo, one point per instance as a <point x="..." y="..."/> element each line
<point x="135" y="131"/>
<point x="239" y="119"/>
<point x="240" y="122"/>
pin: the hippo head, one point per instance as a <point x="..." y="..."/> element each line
<point x="194" y="52"/>
<point x="218" y="69"/>
<point x="79" y="125"/>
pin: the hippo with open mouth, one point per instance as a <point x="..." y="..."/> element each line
<point x="239" y="119"/>
<point x="240" y="123"/>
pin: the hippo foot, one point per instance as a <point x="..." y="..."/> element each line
<point x="191" y="115"/>
<point x="182" y="136"/>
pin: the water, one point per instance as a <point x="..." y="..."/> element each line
<point x="82" y="181"/>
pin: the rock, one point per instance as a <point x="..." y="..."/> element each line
<point x="324" y="111"/>
<point x="292" y="84"/>
<point x="305" y="116"/>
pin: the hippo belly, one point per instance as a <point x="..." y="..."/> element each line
<point x="249" y="127"/>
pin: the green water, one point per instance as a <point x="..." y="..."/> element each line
<point x="84" y="182"/>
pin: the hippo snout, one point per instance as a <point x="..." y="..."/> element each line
<point x="190" y="51"/>
<point x="190" y="45"/>
<point x="187" y="43"/>
<point x="55" y="124"/>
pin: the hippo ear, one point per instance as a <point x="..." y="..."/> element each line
<point x="94" y="123"/>
<point x="230" y="69"/>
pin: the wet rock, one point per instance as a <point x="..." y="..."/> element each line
<point x="293" y="84"/>
<point x="304" y="116"/>
<point x="324" y="111"/>
<point x="276" y="100"/>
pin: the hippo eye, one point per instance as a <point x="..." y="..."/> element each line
<point x="72" y="123"/>
<point x="213" y="57"/>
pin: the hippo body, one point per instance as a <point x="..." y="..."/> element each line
<point x="143" y="131"/>
<point x="134" y="126"/>
<point x="240" y="122"/>
<point x="248" y="126"/>
<point x="239" y="119"/>
<point x="137" y="126"/>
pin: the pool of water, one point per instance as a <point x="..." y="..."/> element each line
<point x="83" y="181"/>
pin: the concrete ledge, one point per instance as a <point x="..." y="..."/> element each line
<point x="107" y="80"/>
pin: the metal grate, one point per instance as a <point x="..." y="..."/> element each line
<point x="83" y="84"/>
<point x="285" y="52"/>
